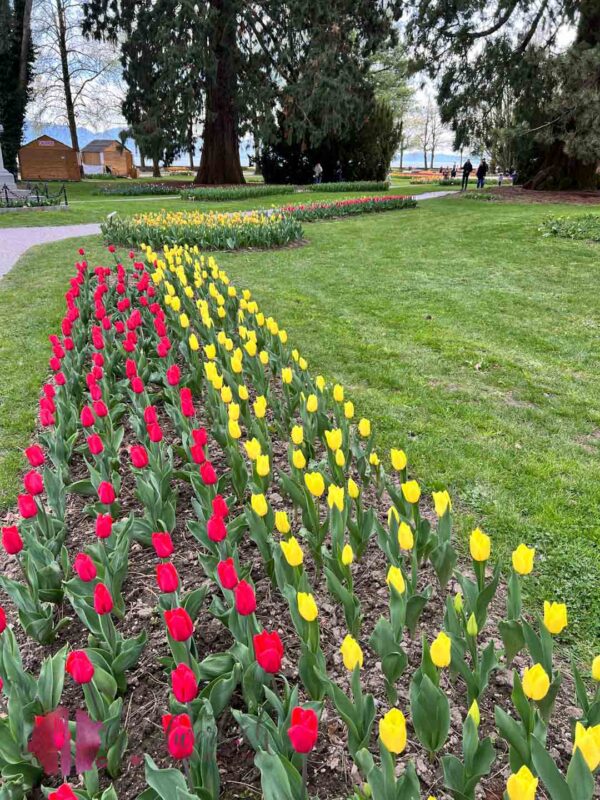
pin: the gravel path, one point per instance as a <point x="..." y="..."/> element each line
<point x="15" y="241"/>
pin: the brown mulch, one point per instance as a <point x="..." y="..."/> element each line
<point x="517" y="194"/>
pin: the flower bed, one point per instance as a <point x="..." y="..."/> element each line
<point x="137" y="189"/>
<point x="310" y="212"/>
<point x="248" y="583"/>
<point x="210" y="230"/>
<point x="221" y="193"/>
<point x="582" y="226"/>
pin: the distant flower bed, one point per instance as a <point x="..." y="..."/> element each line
<point x="209" y="231"/>
<point x="479" y="196"/>
<point x="584" y="226"/>
<point x="348" y="186"/>
<point x="309" y="212"/>
<point x="243" y="192"/>
<point x="135" y="189"/>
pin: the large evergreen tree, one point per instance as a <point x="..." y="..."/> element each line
<point x="501" y="70"/>
<point x="237" y="55"/>
<point x="16" y="57"/>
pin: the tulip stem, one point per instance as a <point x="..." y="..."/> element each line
<point x="305" y="775"/>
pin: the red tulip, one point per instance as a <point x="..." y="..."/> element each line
<point x="35" y="455"/>
<point x="87" y="417"/>
<point x="245" y="599"/>
<point x="162" y="544"/>
<point x="150" y="415"/>
<point x="155" y="432"/>
<point x="187" y="404"/>
<point x="94" y="442"/>
<point x="130" y="367"/>
<point x="33" y="482"/>
<point x="2" y="620"/>
<point x="227" y="574"/>
<point x="139" y="456"/>
<point x="106" y="493"/>
<point x="173" y="375"/>
<point x="304" y="729"/>
<point x="79" y="666"/>
<point x="103" y="602"/>
<point x="208" y="474"/>
<point x="167" y="577"/>
<point x="111" y="248"/>
<point x="215" y="528"/>
<point x="11" y="540"/>
<point x="268" y="650"/>
<point x="184" y="683"/>
<point x="137" y="385"/>
<point x="27" y="506"/>
<point x="84" y="567"/>
<point x="200" y="436"/>
<point x="219" y="506"/>
<point x="197" y="453"/>
<point x="63" y="792"/>
<point x="60" y="379"/>
<point x="104" y="526"/>
<point x="179" y="624"/>
<point x="180" y="735"/>
<point x="100" y="408"/>
<point x="46" y="418"/>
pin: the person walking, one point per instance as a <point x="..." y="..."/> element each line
<point x="482" y="170"/>
<point x="467" y="170"/>
<point x="318" y="172"/>
<point x="453" y="173"/>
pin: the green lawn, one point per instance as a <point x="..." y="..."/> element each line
<point x="85" y="206"/>
<point x="469" y="339"/>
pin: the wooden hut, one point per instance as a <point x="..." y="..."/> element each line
<point x="108" y="155"/>
<point x="47" y="159"/>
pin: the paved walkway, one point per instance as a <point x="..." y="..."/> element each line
<point x="15" y="241"/>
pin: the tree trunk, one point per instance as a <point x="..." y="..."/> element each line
<point x="66" y="77"/>
<point x="142" y="158"/>
<point x="425" y="157"/>
<point x="559" y="170"/>
<point x="432" y="158"/>
<point x="155" y="168"/>
<point x="191" y="146"/>
<point x="25" y="44"/>
<point x="220" y="161"/>
<point x="257" y="156"/>
<point x="401" y="155"/>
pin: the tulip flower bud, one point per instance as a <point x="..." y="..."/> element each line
<point x="84" y="567"/>
<point x="180" y="735"/>
<point x="11" y="540"/>
<point x="268" y="650"/>
<point x="216" y="529"/>
<point x="227" y="574"/>
<point x="33" y="483"/>
<point x="292" y="551"/>
<point x="27" y="506"/>
<point x="79" y="666"/>
<point x="347" y="555"/>
<point x="162" y="544"/>
<point x="398" y="459"/>
<point x="392" y="731"/>
<point x="472" y="628"/>
<point x="103" y="526"/>
<point x="458" y="602"/>
<point x="184" y="683"/>
<point x="479" y="545"/>
<point x="179" y="624"/>
<point x="522" y="785"/>
<point x="35" y="455"/>
<point x="536" y="682"/>
<point x="307" y="607"/>
<point x="245" y="599"/>
<point x="167" y="577"/>
<point x="2" y="620"/>
<point x="474" y="712"/>
<point x="106" y="493"/>
<point x="352" y="654"/>
<point x="441" y="650"/>
<point x="596" y="669"/>
<point x="208" y="474"/>
<point x="555" y="616"/>
<point x="259" y="504"/>
<point x="282" y="522"/>
<point x="304" y="729"/>
<point x="411" y="491"/>
<point x="522" y="559"/>
<point x="103" y="602"/>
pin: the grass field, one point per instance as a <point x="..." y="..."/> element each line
<point x="86" y="206"/>
<point x="469" y="339"/>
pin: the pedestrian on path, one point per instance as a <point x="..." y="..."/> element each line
<point x="482" y="170"/>
<point x="467" y="170"/>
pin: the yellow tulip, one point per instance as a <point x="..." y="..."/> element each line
<point x="392" y="515"/>
<point x="348" y="409"/>
<point x="351" y="653"/>
<point x="335" y="497"/>
<point x="441" y="650"/>
<point x="286" y="375"/>
<point x="340" y="458"/>
<point x="282" y="522"/>
<point x="307" y="606"/>
<point x="441" y="502"/>
<point x="226" y="395"/>
<point x="319" y="381"/>
<point x="184" y="320"/>
<point x="522" y="785"/>
<point x="334" y="439"/>
<point x="298" y="459"/>
<point x="411" y="491"/>
<point x="253" y="449"/>
<point x="250" y="348"/>
<point x="392" y="731"/>
<point x="193" y="342"/>
<point x="236" y="365"/>
<point x="536" y="682"/>
<point x="263" y="357"/>
<point x="479" y="545"/>
<point x="302" y="363"/>
<point x="243" y="392"/>
<point x="210" y="351"/>
<point x="587" y="740"/>
<point x="347" y="555"/>
<point x="297" y="434"/>
<point x="234" y="429"/>
<point x="259" y="504"/>
<point x="314" y="483"/>
<point x="234" y="410"/>
<point x="338" y="393"/>
<point x="596" y="669"/>
<point x="396" y="579"/>
<point x="260" y="407"/>
<point x="474" y="713"/>
<point x="353" y="489"/>
<point x="522" y="559"/>
<point x="374" y="459"/>
<point x="262" y="466"/>
<point x="364" y="428"/>
<point x="406" y="539"/>
<point x="555" y="616"/>
<point x="398" y="458"/>
<point x="292" y="551"/>
<point x="312" y="403"/>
